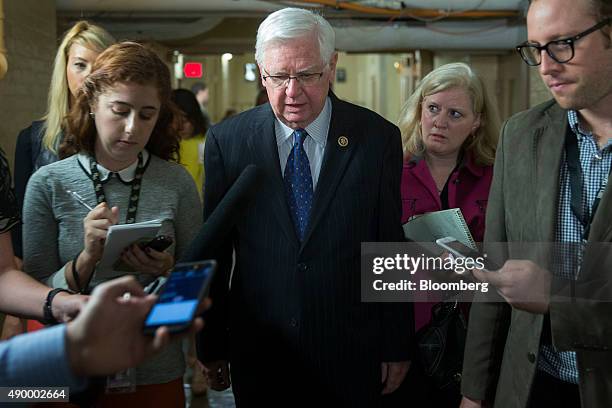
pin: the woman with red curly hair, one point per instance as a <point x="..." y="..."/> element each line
<point x="120" y="149"/>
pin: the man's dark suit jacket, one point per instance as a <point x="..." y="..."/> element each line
<point x="292" y="325"/>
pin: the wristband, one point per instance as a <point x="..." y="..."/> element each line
<point x="77" y="278"/>
<point x="48" y="317"/>
<point x="75" y="274"/>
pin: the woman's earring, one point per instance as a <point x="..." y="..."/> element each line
<point x="92" y="115"/>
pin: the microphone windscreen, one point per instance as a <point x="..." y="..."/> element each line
<point x="224" y="216"/>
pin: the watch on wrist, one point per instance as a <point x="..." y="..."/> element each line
<point x="48" y="317"/>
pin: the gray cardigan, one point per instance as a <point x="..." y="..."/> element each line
<point x="53" y="228"/>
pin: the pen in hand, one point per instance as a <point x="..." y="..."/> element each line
<point x="79" y="199"/>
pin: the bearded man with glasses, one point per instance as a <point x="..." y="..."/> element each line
<point x="547" y="340"/>
<point x="292" y="323"/>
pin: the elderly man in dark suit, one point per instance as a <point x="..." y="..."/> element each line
<point x="291" y="321"/>
<point x="548" y="342"/>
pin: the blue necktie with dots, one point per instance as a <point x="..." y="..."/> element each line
<point x="298" y="183"/>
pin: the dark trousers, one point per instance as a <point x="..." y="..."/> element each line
<point x="418" y="390"/>
<point x="293" y="384"/>
<point x="548" y="391"/>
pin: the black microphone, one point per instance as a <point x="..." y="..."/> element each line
<point x="220" y="222"/>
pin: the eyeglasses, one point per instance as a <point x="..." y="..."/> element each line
<point x="561" y="50"/>
<point x="304" y="79"/>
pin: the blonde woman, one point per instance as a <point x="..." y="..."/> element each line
<point x="449" y="132"/>
<point x="37" y="145"/>
<point x="449" y="135"/>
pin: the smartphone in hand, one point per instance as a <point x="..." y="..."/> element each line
<point x="159" y="243"/>
<point x="178" y="300"/>
<point x="460" y="250"/>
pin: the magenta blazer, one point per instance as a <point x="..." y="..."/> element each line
<point x="468" y="189"/>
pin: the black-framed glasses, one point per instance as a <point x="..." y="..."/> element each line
<point x="304" y="78"/>
<point x="561" y="50"/>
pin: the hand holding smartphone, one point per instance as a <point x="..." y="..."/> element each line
<point x="178" y="300"/>
<point x="159" y="243"/>
<point x="460" y="250"/>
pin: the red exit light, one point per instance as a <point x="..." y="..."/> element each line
<point x="193" y="70"/>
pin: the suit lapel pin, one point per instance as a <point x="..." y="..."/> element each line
<point x="343" y="141"/>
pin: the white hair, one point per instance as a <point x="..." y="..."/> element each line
<point x="292" y="23"/>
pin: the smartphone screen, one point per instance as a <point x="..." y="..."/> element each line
<point x="180" y="297"/>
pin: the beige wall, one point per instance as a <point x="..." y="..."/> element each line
<point x="514" y="91"/>
<point x="227" y="87"/>
<point x="538" y="92"/>
<point x="374" y="81"/>
<point x="354" y="89"/>
<point x="30" y="39"/>
<point x="242" y="93"/>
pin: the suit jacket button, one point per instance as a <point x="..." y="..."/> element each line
<point x="293" y="322"/>
<point x="531" y="357"/>
<point x="302" y="267"/>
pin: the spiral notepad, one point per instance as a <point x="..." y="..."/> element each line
<point x="119" y="237"/>
<point x="439" y="224"/>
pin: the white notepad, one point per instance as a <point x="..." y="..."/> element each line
<point x="439" y="224"/>
<point x="121" y="236"/>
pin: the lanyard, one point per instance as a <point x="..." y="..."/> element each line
<point x="575" y="177"/>
<point x="134" y="194"/>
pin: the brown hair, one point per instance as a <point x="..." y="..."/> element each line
<point x="121" y="63"/>
<point x="599" y="9"/>
<point x="602" y="9"/>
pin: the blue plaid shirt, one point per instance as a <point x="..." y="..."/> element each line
<point x="595" y="163"/>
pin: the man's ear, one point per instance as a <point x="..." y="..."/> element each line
<point x="261" y="74"/>
<point x="332" y="66"/>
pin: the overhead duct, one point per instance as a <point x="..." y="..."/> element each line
<point x="433" y="10"/>
<point x="448" y="5"/>
<point x="155" y="27"/>
<point x="443" y="35"/>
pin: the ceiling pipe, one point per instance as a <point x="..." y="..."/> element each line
<point x="413" y="12"/>
<point x="443" y="35"/>
<point x="3" y="60"/>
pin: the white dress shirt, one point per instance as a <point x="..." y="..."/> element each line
<point x="314" y="145"/>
